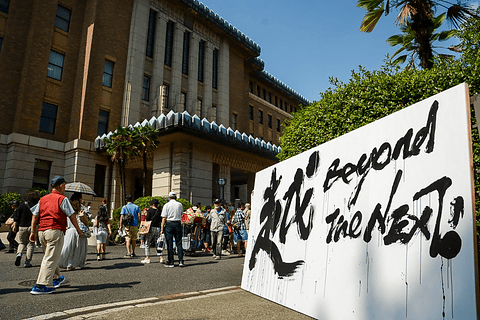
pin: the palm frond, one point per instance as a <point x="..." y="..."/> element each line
<point x="370" y="19"/>
<point x="369" y="5"/>
<point x="458" y="14"/>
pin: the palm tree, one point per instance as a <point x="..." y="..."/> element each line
<point x="144" y="140"/>
<point x="419" y="14"/>
<point x="406" y="41"/>
<point x="121" y="146"/>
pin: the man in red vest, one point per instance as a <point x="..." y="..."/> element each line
<point x="51" y="216"/>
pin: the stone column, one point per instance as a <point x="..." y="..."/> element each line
<point x="223" y="85"/>
<point x="193" y="74"/>
<point x="158" y="63"/>
<point x="207" y="81"/>
<point x="176" y="84"/>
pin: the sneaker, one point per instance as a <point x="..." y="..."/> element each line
<point x="181" y="264"/>
<point x="214" y="256"/>
<point x="218" y="258"/>
<point x="168" y="264"/>
<point x="128" y="255"/>
<point x="225" y="253"/>
<point x="58" y="282"/>
<point x="18" y="259"/>
<point x="133" y="254"/>
<point x="161" y="260"/>
<point x="207" y="250"/>
<point x="70" y="268"/>
<point x="145" y="261"/>
<point x="27" y="264"/>
<point x="41" y="290"/>
<point x="99" y="258"/>
<point x="142" y="246"/>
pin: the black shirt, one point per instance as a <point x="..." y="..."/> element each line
<point x="23" y="215"/>
<point x="156" y="220"/>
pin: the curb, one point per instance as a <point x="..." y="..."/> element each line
<point x="91" y="311"/>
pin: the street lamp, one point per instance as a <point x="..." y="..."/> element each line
<point x="221" y="182"/>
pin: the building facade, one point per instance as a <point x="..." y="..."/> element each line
<point x="72" y="71"/>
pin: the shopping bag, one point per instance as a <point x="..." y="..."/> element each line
<point x="144" y="227"/>
<point x="160" y="243"/>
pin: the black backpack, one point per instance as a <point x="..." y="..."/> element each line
<point x="127" y="218"/>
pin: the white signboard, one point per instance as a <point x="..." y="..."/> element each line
<point x="376" y="224"/>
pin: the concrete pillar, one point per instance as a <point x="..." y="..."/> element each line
<point x="207" y="81"/>
<point x="176" y="82"/>
<point x="223" y="84"/>
<point x="158" y="63"/>
<point x="193" y="74"/>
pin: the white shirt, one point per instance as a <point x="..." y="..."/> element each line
<point x="172" y="210"/>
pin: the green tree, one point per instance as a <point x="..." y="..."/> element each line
<point x="121" y="146"/>
<point x="419" y="15"/>
<point x="145" y="139"/>
<point x="407" y="43"/>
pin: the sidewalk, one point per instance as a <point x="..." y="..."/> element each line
<point x="221" y="303"/>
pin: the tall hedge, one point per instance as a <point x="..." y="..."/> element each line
<point x="371" y="95"/>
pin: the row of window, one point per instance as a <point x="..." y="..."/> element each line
<point x="41" y="176"/>
<point x="169" y="40"/>
<point x="260" y="118"/>
<point x="48" y="119"/>
<point x="267" y="96"/>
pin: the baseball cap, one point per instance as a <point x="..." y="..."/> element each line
<point x="57" y="180"/>
<point x="172" y="194"/>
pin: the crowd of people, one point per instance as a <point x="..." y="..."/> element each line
<point x="61" y="227"/>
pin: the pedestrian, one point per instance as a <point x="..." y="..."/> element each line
<point x="248" y="215"/>
<point x="172" y="226"/>
<point x="142" y="237"/>
<point x="219" y="218"/>
<point x="22" y="218"/>
<point x="130" y="224"/>
<point x="240" y="232"/>
<point x="74" y="250"/>
<point x="104" y="230"/>
<point x="51" y="215"/>
<point x="11" y="235"/>
<point x="206" y="233"/>
<point x="227" y="247"/>
<point x="153" y="215"/>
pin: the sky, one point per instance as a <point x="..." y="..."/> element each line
<point x="304" y="42"/>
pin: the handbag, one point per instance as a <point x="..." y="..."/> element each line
<point x="145" y="227"/>
<point x="85" y="231"/>
<point x="160" y="243"/>
<point x="9" y="221"/>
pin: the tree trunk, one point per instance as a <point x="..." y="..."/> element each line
<point x="422" y="26"/>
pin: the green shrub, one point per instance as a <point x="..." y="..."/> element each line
<point x="5" y="209"/>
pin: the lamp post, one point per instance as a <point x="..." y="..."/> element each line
<point x="221" y="182"/>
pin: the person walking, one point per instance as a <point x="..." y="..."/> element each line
<point x="218" y="218"/>
<point x="131" y="228"/>
<point x="172" y="226"/>
<point x="151" y="238"/>
<point x="22" y="218"/>
<point x="104" y="230"/>
<point x="51" y="215"/>
<point x="240" y="232"/>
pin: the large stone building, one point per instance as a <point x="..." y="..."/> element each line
<point x="71" y="71"/>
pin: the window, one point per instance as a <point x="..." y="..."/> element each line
<point x="270" y="97"/>
<point x="250" y="112"/>
<point x="250" y="86"/>
<point x="41" y="174"/>
<point x="152" y="22"/>
<point x="201" y="60"/>
<point x="62" y="20"/>
<point x="107" y="74"/>
<point x="260" y="116"/>
<point x="1" y="42"/>
<point x="264" y="94"/>
<point x="184" y="100"/>
<point x="4" y="6"/>
<point x="48" y="118"/>
<point x="276" y="101"/>
<point x="146" y="88"/>
<point x="215" y="69"/>
<point x="99" y="183"/>
<point x="200" y="107"/>
<point x="166" y="92"/>
<point x="269" y="121"/>
<point x="186" y="52"/>
<point x="169" y="44"/>
<point x="278" y="125"/>
<point x="234" y="121"/>
<point x="55" y="65"/>
<point x="258" y="91"/>
<point x="281" y="105"/>
<point x="102" y="127"/>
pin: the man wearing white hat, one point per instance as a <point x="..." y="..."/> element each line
<point x="172" y="226"/>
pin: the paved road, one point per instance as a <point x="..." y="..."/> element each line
<point x="113" y="280"/>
